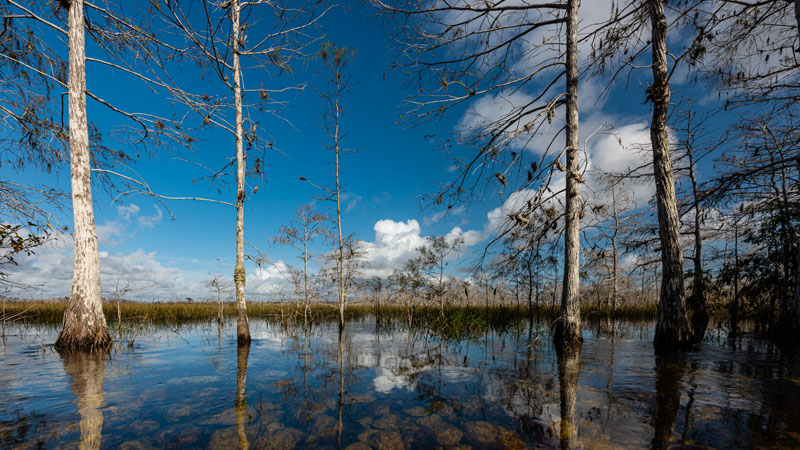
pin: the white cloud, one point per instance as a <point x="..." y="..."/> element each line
<point x="622" y="151"/>
<point x="112" y="232"/>
<point x="151" y="221"/>
<point x="269" y="279"/>
<point x="351" y="201"/>
<point x="397" y="242"/>
<point x="471" y="237"/>
<point x="49" y="272"/>
<point x="109" y="231"/>
<point x="126" y="212"/>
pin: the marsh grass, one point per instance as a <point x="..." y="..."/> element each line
<point x="458" y="321"/>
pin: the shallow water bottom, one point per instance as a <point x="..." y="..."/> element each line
<point x="383" y="387"/>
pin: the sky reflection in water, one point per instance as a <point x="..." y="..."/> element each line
<point x="186" y="387"/>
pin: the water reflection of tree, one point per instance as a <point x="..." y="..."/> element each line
<point x="242" y="355"/>
<point x="87" y="371"/>
<point x="568" y="370"/>
<point x="669" y="374"/>
<point x="340" y="359"/>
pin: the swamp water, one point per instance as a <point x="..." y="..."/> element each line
<point x="185" y="387"/>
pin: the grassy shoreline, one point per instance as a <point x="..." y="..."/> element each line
<point x="50" y="312"/>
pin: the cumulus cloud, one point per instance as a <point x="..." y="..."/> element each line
<point x="269" y="279"/>
<point x="49" y="273"/>
<point x="620" y="152"/>
<point x="112" y="232"/>
<point x="469" y="237"/>
<point x="397" y="242"/>
<point x="612" y="151"/>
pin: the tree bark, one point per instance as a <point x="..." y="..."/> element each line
<point x="342" y="294"/>
<point x="242" y="323"/>
<point x="673" y="329"/>
<point x="615" y="251"/>
<point x="84" y="324"/>
<point x="794" y="311"/>
<point x="567" y="336"/>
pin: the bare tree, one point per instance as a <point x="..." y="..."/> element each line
<point x="335" y="59"/>
<point x="37" y="75"/>
<point x="219" y="285"/>
<point x="305" y="226"/>
<point x="431" y="262"/>
<point x="84" y="322"/>
<point x="673" y="329"/>
<point x="118" y="293"/>
<point x="460" y="52"/>
<point x="220" y="46"/>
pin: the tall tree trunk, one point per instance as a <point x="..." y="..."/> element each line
<point x="697" y="301"/>
<point x="794" y="311"/>
<point x="342" y="297"/>
<point x="567" y="335"/>
<point x="242" y="323"/>
<point x="733" y="308"/>
<point x="615" y="251"/>
<point x="220" y="318"/>
<point x="797" y="19"/>
<point x="307" y="299"/>
<point x="673" y="329"/>
<point x="530" y="293"/>
<point x="84" y="323"/>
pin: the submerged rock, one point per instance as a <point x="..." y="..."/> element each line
<point x="277" y="437"/>
<point x="383" y="440"/>
<point x="226" y="439"/>
<point x="323" y="426"/>
<point x="139" y="444"/>
<point x="141" y="427"/>
<point x="417" y="411"/>
<point x="448" y="435"/>
<point x="387" y="422"/>
<point x="481" y="431"/>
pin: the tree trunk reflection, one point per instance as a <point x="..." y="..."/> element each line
<point x="568" y="370"/>
<point x="242" y="354"/>
<point x="87" y="371"/>
<point x="669" y="373"/>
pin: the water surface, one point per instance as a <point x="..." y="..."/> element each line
<point x="382" y="387"/>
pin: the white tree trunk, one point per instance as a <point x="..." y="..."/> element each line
<point x="242" y="323"/>
<point x="342" y="292"/>
<point x="568" y="327"/>
<point x="84" y="323"/>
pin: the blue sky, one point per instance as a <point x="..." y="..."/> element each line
<point x="383" y="182"/>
